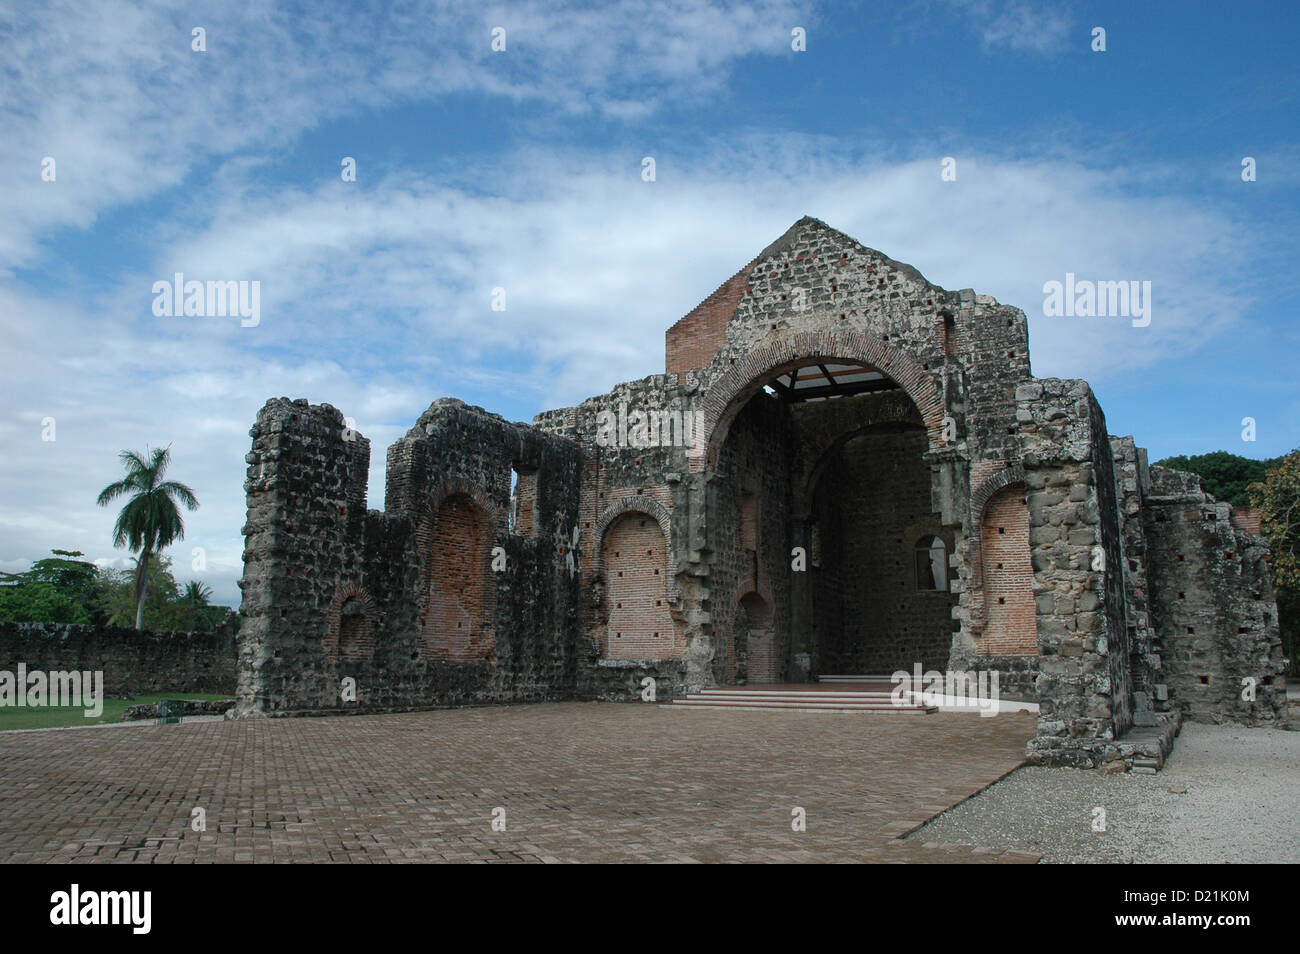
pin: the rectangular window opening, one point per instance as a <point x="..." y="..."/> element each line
<point x="523" y="501"/>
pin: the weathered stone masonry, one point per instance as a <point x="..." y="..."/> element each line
<point x="133" y="662"/>
<point x="844" y="469"/>
<point x="315" y="557"/>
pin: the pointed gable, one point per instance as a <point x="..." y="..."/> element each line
<point x="692" y="342"/>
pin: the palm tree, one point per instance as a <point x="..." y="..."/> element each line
<point x="197" y="594"/>
<point x="197" y="597"/>
<point x="150" y="520"/>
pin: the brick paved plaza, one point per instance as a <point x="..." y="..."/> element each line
<point x="579" y="782"/>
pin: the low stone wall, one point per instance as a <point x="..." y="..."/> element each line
<point x="133" y="662"/>
<point x="623" y="680"/>
<point x="179" y="707"/>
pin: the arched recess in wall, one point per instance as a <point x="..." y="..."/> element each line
<point x="458" y="589"/>
<point x="633" y="558"/>
<point x="979" y="498"/>
<point x="648" y="507"/>
<point x="782" y="352"/>
<point x="1010" y="612"/>
<point x="350" y="634"/>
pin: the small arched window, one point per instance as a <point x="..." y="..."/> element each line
<point x="352" y="623"/>
<point x="931" y="564"/>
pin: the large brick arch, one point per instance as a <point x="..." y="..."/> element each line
<point x="454" y="486"/>
<point x="782" y="352"/>
<point x="651" y="508"/>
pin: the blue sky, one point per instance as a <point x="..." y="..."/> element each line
<point x="521" y="169"/>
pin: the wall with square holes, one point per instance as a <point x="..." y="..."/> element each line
<point x="639" y="625"/>
<point x="1109" y="652"/>
<point x="1012" y="622"/>
<point x="1213" y="607"/>
<point x="635" y="443"/>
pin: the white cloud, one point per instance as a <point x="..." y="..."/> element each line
<point x="114" y="93"/>
<point x="1019" y="25"/>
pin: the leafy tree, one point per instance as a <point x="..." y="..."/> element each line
<point x="1278" y="500"/>
<point x="150" y="520"/>
<point x="40" y="603"/>
<point x="61" y="589"/>
<point x="64" y="589"/>
<point x="1227" y="476"/>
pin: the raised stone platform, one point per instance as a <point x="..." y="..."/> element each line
<point x="814" y="697"/>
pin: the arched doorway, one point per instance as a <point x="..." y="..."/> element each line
<point x="1011" y="627"/>
<point x="879" y="597"/>
<point x="819" y="491"/>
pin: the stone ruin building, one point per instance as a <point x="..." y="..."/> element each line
<point x="843" y="469"/>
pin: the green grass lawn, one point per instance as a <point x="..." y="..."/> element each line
<point x="50" y="717"/>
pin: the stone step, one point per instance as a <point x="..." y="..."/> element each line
<point x="849" y="696"/>
<point x="797" y="697"/>
<point x="799" y="706"/>
<point x="854" y="678"/>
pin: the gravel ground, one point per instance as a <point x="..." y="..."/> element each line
<point x="1241" y="803"/>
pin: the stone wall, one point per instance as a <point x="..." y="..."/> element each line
<point x="635" y="445"/>
<point x="1075" y="545"/>
<point x="872" y="508"/>
<point x="696" y="337"/>
<point x="1132" y="486"/>
<point x="1213" y="607"/>
<point x="750" y="508"/>
<point x="133" y="662"/>
<point x="502" y="627"/>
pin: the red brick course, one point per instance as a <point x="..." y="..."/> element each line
<point x="691" y="343"/>
<point x="1012" y="628"/>
<point x="457" y="624"/>
<point x="634" y="555"/>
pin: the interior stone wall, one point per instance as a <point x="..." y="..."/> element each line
<point x="872" y="505"/>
